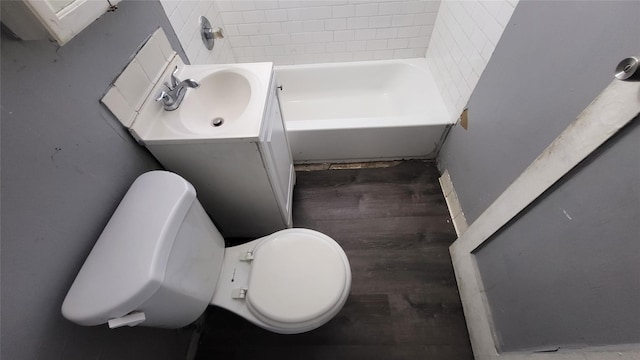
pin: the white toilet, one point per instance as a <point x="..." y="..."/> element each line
<point x="160" y="262"/>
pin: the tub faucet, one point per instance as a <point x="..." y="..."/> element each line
<point x="176" y="89"/>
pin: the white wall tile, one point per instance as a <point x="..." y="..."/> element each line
<point x="398" y="43"/>
<point x="344" y="11"/>
<point x="314" y="48"/>
<point x="151" y="59"/>
<point x="344" y="35"/>
<point x="230" y="18"/>
<point x="367" y="9"/>
<point x="280" y="39"/>
<point x="119" y="106"/>
<point x="300" y="38"/>
<point x="365" y="34"/>
<point x="313" y="25"/>
<point x="276" y="15"/>
<point x="358" y="23"/>
<point x="387" y="33"/>
<point x="336" y="46"/>
<point x="363" y="56"/>
<point x="335" y="24"/>
<point x="389" y="9"/>
<point x="223" y="6"/>
<point x="376" y="44"/>
<point x="266" y="4"/>
<point x="163" y="43"/>
<point x="278" y="24"/>
<point x="322" y="12"/>
<point x="289" y="27"/>
<point x="169" y="6"/>
<point x="231" y="30"/>
<point x="256" y="16"/>
<point x="425" y="19"/>
<point x="383" y="54"/>
<point x="341" y="57"/>
<point x="249" y="29"/>
<point x="377" y="22"/>
<point x="243" y="5"/>
<point x="260" y="40"/>
<point x="403" y="20"/>
<point x="355" y="46"/>
<point x="133" y="85"/>
<point x="176" y="20"/>
<point x="186" y="8"/>
<point x="322" y="58"/>
<point x="270" y="28"/>
<point x="409" y="31"/>
<point x="403" y="53"/>
<point x="274" y="50"/>
<point x="184" y="16"/>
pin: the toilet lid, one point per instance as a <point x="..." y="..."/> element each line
<point x="296" y="275"/>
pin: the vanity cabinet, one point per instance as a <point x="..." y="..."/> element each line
<point x="245" y="185"/>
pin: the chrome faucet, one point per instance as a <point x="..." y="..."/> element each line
<point x="173" y="96"/>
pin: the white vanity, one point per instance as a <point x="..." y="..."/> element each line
<point x="242" y="168"/>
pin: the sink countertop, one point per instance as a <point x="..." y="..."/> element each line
<point x="154" y="125"/>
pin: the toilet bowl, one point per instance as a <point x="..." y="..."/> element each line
<point x="160" y="262"/>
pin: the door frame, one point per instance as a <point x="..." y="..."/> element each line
<point x="615" y="107"/>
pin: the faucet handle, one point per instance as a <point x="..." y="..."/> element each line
<point x="163" y="96"/>
<point x="174" y="79"/>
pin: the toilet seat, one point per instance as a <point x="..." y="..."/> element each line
<point x="299" y="279"/>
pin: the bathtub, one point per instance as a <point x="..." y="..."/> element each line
<point x="362" y="111"/>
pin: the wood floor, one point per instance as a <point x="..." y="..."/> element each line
<point x="404" y="304"/>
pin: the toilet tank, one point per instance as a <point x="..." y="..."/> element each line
<point x="160" y="255"/>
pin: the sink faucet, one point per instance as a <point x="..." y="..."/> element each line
<point x="172" y="98"/>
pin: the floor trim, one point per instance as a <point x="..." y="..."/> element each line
<point x="453" y="203"/>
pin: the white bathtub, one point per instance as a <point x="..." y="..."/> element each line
<point x="360" y="111"/>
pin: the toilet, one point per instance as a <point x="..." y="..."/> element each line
<point x="160" y="261"/>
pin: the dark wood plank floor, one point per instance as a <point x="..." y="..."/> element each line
<point x="404" y="304"/>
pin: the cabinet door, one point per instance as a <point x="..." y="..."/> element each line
<point x="277" y="156"/>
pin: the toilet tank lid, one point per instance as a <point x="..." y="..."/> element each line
<point x="127" y="264"/>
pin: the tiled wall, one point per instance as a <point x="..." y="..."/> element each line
<point x="316" y="31"/>
<point x="464" y="37"/>
<point x="132" y="87"/>
<point x="305" y="31"/>
<point x="184" y="16"/>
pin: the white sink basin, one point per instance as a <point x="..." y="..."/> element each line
<point x="224" y="95"/>
<point x="231" y="94"/>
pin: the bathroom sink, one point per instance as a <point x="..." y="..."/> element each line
<point x="228" y="105"/>
<point x="219" y="102"/>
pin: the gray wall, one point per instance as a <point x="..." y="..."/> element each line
<point x="66" y="163"/>
<point x="566" y="273"/>
<point x="553" y="59"/>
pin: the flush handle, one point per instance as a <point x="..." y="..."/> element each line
<point x="132" y="319"/>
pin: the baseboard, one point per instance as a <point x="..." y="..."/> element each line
<point x="346" y="165"/>
<point x="455" y="209"/>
